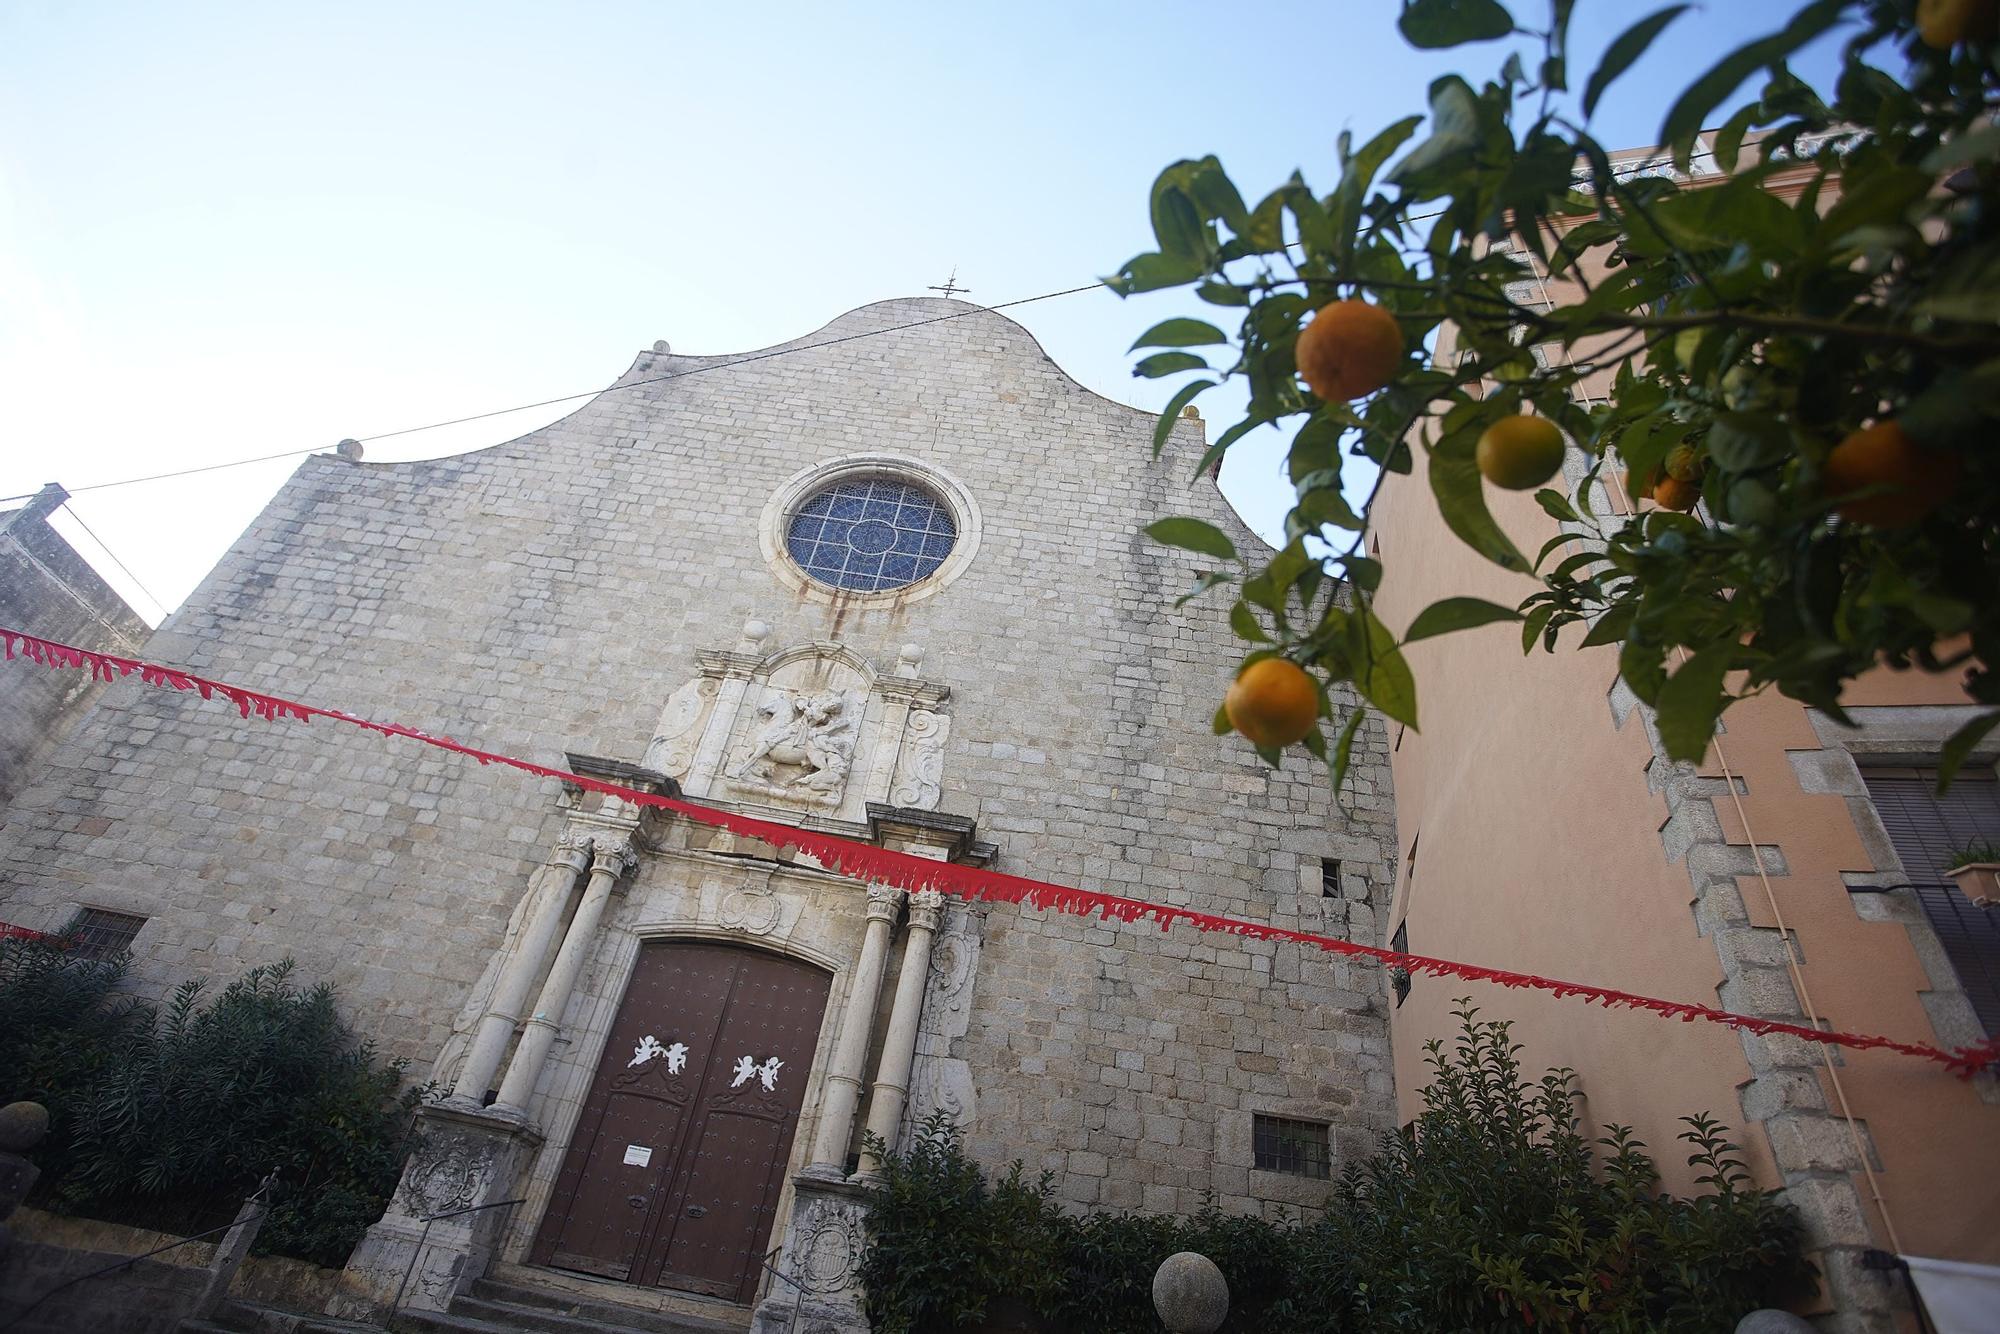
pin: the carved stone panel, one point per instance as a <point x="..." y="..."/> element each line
<point x="814" y="727"/>
<point x="802" y="747"/>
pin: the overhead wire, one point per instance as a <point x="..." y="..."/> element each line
<point x="105" y="547"/>
<point x="581" y="394"/>
<point x="614" y="388"/>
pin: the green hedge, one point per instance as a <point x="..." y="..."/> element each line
<point x="169" y="1119"/>
<point x="1493" y="1212"/>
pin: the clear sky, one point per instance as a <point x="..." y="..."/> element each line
<point x="231" y="229"/>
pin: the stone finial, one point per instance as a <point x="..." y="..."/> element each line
<point x="755" y="632"/>
<point x="1191" y="412"/>
<point x="660" y="346"/>
<point x="908" y="659"/>
<point x="350" y="450"/>
<point x="1190" y="1294"/>
<point x="1771" y="1321"/>
<point x="22" y="1126"/>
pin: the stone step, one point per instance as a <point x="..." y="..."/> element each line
<point x="562" y="1302"/>
<point x="248" y="1318"/>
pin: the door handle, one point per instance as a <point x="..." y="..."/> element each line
<point x="696" y="1211"/>
<point x="636" y="1201"/>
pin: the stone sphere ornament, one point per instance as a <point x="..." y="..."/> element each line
<point x="1771" y="1321"/>
<point x="22" y="1126"/>
<point x="1190" y="1294"/>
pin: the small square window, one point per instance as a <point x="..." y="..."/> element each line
<point x="1329" y="877"/>
<point x="1296" y="1147"/>
<point x="98" y="934"/>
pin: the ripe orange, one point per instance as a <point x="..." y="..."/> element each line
<point x="1883" y="455"/>
<point x="1350" y="350"/>
<point x="1684" y="463"/>
<point x="1671" y="493"/>
<point x="1272" y="702"/>
<point x="1519" y="452"/>
<point x="1945" y="23"/>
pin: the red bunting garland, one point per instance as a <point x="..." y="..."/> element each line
<point x="884" y="866"/>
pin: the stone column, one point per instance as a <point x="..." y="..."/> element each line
<point x="899" y="1045"/>
<point x="612" y="859"/>
<point x="510" y="992"/>
<point x="850" y="1053"/>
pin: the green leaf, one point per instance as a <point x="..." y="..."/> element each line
<point x="1343" y="749"/>
<point x="1454" y="128"/>
<point x="1462" y="613"/>
<point x="1556" y="505"/>
<point x="1193" y="535"/>
<point x="1172" y="412"/>
<point x="1618" y="57"/>
<point x="1381" y="673"/>
<point x="1168" y="363"/>
<point x="1688" y="114"/>
<point x="1180" y="332"/>
<point x="1203" y="583"/>
<point x="1612" y="626"/>
<point x="1364" y="572"/>
<point x="1220" y="724"/>
<point x="1434" y="24"/>
<point x="1150" y="272"/>
<point x="1959" y="747"/>
<point x="1965" y="149"/>
<point x="1222" y="294"/>
<point x="1691" y="701"/>
<point x="1743" y="441"/>
<point x="1244" y="622"/>
<point x="1461" y="501"/>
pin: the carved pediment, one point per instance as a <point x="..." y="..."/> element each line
<point x="812" y="727"/>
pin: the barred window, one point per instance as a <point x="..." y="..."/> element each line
<point x="1296" y="1147"/>
<point x="871" y="533"/>
<point x="103" y="935"/>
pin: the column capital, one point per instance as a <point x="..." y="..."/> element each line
<point x="612" y="852"/>
<point x="926" y="910"/>
<point x="572" y="849"/>
<point x="884" y="902"/>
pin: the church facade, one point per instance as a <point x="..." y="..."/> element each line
<point x="887" y="583"/>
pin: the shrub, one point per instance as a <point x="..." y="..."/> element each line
<point x="1492" y="1212"/>
<point x="943" y="1244"/>
<point x="170" y="1120"/>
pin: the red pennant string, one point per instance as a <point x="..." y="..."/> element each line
<point x="864" y="861"/>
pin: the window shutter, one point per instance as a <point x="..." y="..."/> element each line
<point x="1927" y="831"/>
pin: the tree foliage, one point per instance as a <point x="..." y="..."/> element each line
<point x="1492" y="1212"/>
<point x="171" y="1119"/>
<point x="1825" y="260"/>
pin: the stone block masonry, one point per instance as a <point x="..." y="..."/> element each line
<point x="547" y="595"/>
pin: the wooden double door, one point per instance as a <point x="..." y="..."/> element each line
<point x="673" y="1175"/>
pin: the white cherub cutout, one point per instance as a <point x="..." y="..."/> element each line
<point x="649" y="1047"/>
<point x="765" y="1074"/>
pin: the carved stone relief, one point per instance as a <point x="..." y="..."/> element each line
<point x="678" y="732"/>
<point x="829" y="1246"/>
<point x="920" y="767"/>
<point x="803" y="747"/>
<point x="939" y="1081"/>
<point x="813" y="726"/>
<point x="754" y="909"/>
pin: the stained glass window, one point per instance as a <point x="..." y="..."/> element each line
<point x="871" y="533"/>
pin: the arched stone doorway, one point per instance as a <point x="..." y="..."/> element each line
<point x="673" y="1174"/>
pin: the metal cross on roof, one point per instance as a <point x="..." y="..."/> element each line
<point x="950" y="285"/>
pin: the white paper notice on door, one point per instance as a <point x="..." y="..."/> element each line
<point x="637" y="1155"/>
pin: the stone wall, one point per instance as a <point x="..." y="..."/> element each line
<point x="47" y="589"/>
<point x="549" y="594"/>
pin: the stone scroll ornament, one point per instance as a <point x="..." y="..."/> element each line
<point x="864" y="861"/>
